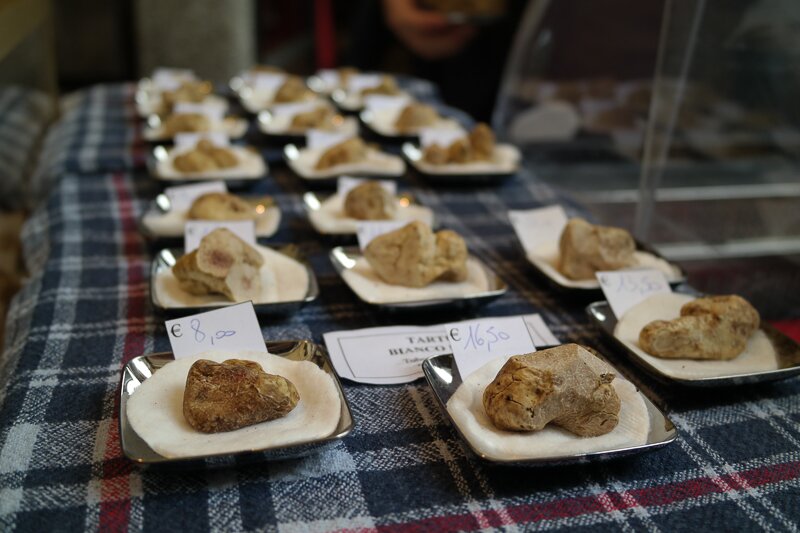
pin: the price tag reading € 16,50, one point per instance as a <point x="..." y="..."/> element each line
<point x="195" y="230"/>
<point x="232" y="328"/>
<point x="626" y="288"/>
<point x="476" y="342"/>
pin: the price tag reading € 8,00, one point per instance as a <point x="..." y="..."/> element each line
<point x="231" y="328"/>
<point x="626" y="288"/>
<point x="476" y="342"/>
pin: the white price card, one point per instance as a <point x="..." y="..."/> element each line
<point x="368" y="230"/>
<point x="213" y="111"/>
<point x="358" y="82"/>
<point x="294" y="108"/>
<point x="376" y="102"/>
<point x="535" y="227"/>
<point x="329" y="76"/>
<point x="232" y="328"/>
<point x="185" y="141"/>
<point x="539" y="332"/>
<point x="268" y="82"/>
<point x="626" y="288"/>
<point x="387" y="355"/>
<point x="476" y="342"/>
<point x="444" y="137"/>
<point x="168" y="79"/>
<point x="321" y="139"/>
<point x="182" y="196"/>
<point x="345" y="184"/>
<point x="195" y="230"/>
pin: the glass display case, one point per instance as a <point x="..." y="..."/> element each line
<point x="699" y="158"/>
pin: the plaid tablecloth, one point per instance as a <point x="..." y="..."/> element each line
<point x="85" y="312"/>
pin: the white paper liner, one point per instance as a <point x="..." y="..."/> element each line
<point x="150" y="103"/>
<point x="279" y="125"/>
<point x="330" y="217"/>
<point x="376" y="164"/>
<point x="282" y="280"/>
<point x="504" y="161"/>
<point x="758" y="356"/>
<point x="233" y="127"/>
<point x="466" y="409"/>
<point x="364" y="281"/>
<point x="155" y="409"/>
<point x="171" y="223"/>
<point x="546" y="259"/>
<point x="382" y="121"/>
<point x="251" y="166"/>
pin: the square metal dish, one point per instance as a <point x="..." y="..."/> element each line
<point x="141" y="368"/>
<point x="161" y="206"/>
<point x="313" y="202"/>
<point x="453" y="174"/>
<point x="344" y="258"/>
<point x="232" y="177"/>
<point x="444" y="379"/>
<point x="786" y="350"/>
<point x="595" y="289"/>
<point x="165" y="259"/>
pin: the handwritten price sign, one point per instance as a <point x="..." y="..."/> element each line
<point x="231" y="328"/>
<point x="476" y="342"/>
<point x="626" y="288"/>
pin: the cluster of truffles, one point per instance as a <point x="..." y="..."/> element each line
<point x="185" y="123"/>
<point x="714" y="327"/>
<point x="222" y="264"/>
<point x="234" y="394"/>
<point x="293" y="90"/>
<point x="205" y="157"/>
<point x="585" y="249"/>
<point x="477" y="146"/>
<point x="188" y="91"/>
<point x="415" y="256"/>
<point x="321" y="118"/>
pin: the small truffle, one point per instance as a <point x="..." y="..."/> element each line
<point x="565" y="385"/>
<point x="185" y="122"/>
<point x="221" y="206"/>
<point x="349" y="151"/>
<point x="223" y="264"/>
<point x="415" y="116"/>
<point x="586" y="248"/>
<point x="414" y="256"/>
<point x="370" y="201"/>
<point x="234" y="394"/>
<point x="715" y="327"/>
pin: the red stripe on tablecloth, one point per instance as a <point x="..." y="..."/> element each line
<point x="790" y="328"/>
<point x="571" y="507"/>
<point x="132" y="249"/>
<point x="115" y="497"/>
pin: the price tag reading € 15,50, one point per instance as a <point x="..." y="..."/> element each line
<point x="626" y="288"/>
<point x="232" y="328"/>
<point x="476" y="342"/>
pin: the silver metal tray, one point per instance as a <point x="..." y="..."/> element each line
<point x="165" y="259"/>
<point x="344" y="258"/>
<point x="141" y="368"/>
<point x="160" y="153"/>
<point x="313" y="201"/>
<point x="413" y="155"/>
<point x="443" y="377"/>
<point x="161" y="206"/>
<point x="787" y="351"/>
